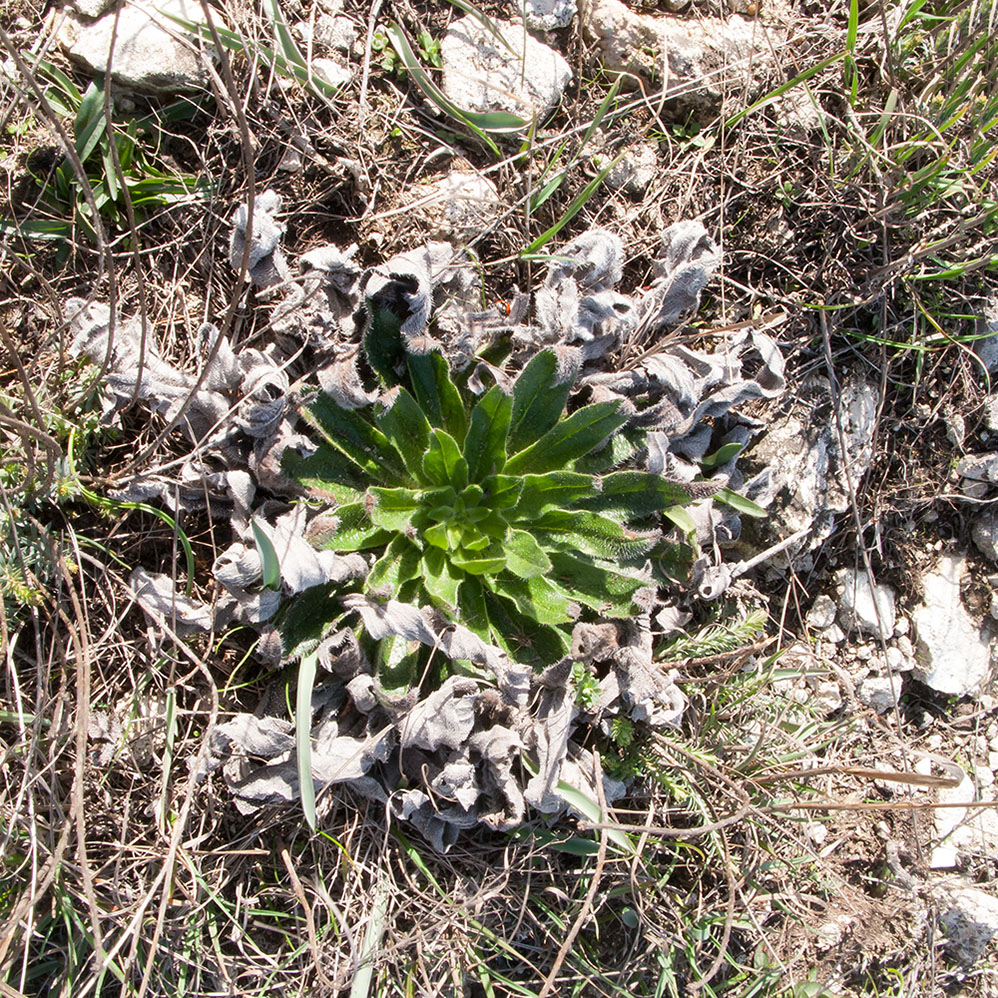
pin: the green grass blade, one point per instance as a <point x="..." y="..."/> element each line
<point x="785" y="88"/>
<point x="268" y="557"/>
<point x="303" y="734"/>
<point x="574" y="208"/>
<point x="481" y="124"/>
<point x="90" y="122"/>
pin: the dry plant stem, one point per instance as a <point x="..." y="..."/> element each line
<point x="69" y="148"/>
<point x="129" y="214"/>
<point x="854" y="505"/>
<point x="313" y="941"/>
<point x="587" y="902"/>
<point x="79" y="637"/>
<point x="372" y="21"/>
<point x="729" y="918"/>
<point x="179" y="827"/>
<point x="246" y="150"/>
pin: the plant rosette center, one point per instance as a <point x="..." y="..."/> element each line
<point x="503" y="511"/>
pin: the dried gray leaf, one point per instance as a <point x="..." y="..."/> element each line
<point x="456" y="642"/>
<point x="444" y="719"/>
<point x="157" y="594"/>
<point x="266" y="264"/>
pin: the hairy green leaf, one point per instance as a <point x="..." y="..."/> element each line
<point x="589" y="533"/>
<point x="327" y="474"/>
<point x="571" y="438"/>
<point x="633" y="494"/>
<point x="619" y="448"/>
<point x="436" y="394"/>
<point x="393" y="509"/>
<point x="485" y="444"/>
<point x="491" y="561"/>
<point x="539" y="396"/>
<point x="536" y="598"/>
<point x="405" y="425"/>
<point x="598" y="585"/>
<point x="398" y="565"/>
<point x="306" y="620"/>
<point x="471" y="606"/>
<point x="524" y="556"/>
<point x="347" y="431"/>
<point x="355" y="531"/>
<point x="440" y="579"/>
<point x="443" y="463"/>
<point x="523" y="638"/>
<point x="552" y="490"/>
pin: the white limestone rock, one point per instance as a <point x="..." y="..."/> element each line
<point x="151" y="52"/>
<point x="697" y="58"/>
<point x="880" y="693"/>
<point x="635" y="171"/>
<point x="460" y="205"/>
<point x="969" y="917"/>
<point x="952" y="655"/>
<point x="548" y="15"/>
<point x="863" y="606"/>
<point x="822" y="613"/>
<point x="523" y="77"/>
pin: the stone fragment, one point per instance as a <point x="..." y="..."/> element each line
<point x="987" y="328"/>
<point x="864" y="606"/>
<point x="151" y="52"/>
<point x="880" y="693"/>
<point x="519" y="74"/>
<point x="964" y="831"/>
<point x="991" y="411"/>
<point x="329" y="32"/>
<point x="635" y="171"/>
<point x="827" y="697"/>
<point x="459" y="206"/>
<point x="952" y="656"/>
<point x="969" y="917"/>
<point x="92" y="9"/>
<point x="803" y="451"/>
<point x="985" y="534"/>
<point x="698" y="59"/>
<point x="547" y="15"/>
<point x="334" y="72"/>
<point x="834" y="634"/>
<point x="822" y="613"/>
<point x="897" y="661"/>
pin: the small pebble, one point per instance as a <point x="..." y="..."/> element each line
<point x="816" y="832"/>
<point x="834" y="634"/>
<point x="896" y="660"/>
<point x="901" y="626"/>
<point x="905" y="646"/>
<point x="864" y="653"/>
<point x="985" y="777"/>
<point x="822" y="613"/>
